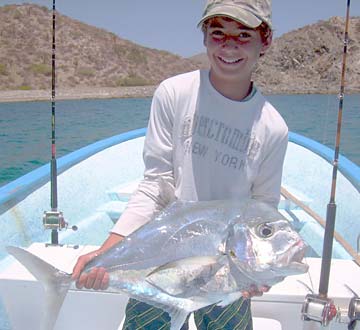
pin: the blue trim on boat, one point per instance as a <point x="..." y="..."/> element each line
<point x="17" y="190"/>
<point x="350" y="170"/>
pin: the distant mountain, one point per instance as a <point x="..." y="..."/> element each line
<point x="85" y="55"/>
<point x="307" y="60"/>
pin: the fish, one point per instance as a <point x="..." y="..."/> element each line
<point x="191" y="255"/>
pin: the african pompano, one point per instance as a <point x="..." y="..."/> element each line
<point x="191" y="255"/>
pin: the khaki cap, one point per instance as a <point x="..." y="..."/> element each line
<point x="251" y="13"/>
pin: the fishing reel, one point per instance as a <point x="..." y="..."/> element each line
<point x="352" y="315"/>
<point x="54" y="220"/>
<point x="318" y="309"/>
<point x="354" y="312"/>
<point x="323" y="310"/>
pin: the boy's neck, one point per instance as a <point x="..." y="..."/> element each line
<point x="236" y="90"/>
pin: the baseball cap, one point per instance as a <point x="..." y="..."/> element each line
<point x="248" y="12"/>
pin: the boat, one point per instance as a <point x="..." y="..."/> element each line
<point x="92" y="168"/>
<point x="92" y="198"/>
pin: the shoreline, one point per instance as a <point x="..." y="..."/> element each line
<point x="81" y="93"/>
<point x="77" y="93"/>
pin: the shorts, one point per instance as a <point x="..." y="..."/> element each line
<point x="236" y="316"/>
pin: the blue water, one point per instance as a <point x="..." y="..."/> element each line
<point x="25" y="127"/>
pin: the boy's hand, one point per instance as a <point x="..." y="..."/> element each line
<point x="255" y="291"/>
<point x="97" y="278"/>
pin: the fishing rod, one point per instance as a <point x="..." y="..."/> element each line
<point x="331" y="207"/>
<point x="319" y="307"/>
<point x="54" y="219"/>
<point x="54" y="200"/>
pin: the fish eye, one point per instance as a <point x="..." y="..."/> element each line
<point x="232" y="253"/>
<point x="265" y="230"/>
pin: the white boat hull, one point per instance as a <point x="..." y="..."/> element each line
<point x="93" y="201"/>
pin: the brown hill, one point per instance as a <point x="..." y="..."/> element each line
<point x="85" y="55"/>
<point x="307" y="60"/>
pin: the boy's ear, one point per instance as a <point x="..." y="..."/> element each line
<point x="204" y="38"/>
<point x="267" y="42"/>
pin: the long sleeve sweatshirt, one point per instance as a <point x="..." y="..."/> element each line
<point x="201" y="145"/>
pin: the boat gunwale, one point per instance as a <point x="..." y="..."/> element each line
<point x="17" y="190"/>
<point x="349" y="169"/>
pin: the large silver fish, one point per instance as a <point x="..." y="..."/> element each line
<point x="192" y="255"/>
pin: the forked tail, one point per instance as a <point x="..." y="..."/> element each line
<point x="56" y="283"/>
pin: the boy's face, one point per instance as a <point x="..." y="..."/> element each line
<point x="233" y="49"/>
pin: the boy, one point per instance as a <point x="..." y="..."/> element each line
<point x="211" y="135"/>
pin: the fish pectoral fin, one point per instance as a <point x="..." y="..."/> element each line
<point x="192" y="263"/>
<point x="185" y="277"/>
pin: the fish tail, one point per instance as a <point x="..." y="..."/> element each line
<point x="56" y="283"/>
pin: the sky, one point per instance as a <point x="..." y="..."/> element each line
<point x="171" y="24"/>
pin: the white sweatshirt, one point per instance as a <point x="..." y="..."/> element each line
<point x="201" y="145"/>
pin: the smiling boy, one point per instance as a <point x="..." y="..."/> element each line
<point x="211" y="135"/>
<point x="233" y="50"/>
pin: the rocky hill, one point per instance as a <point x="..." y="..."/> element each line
<point x="310" y="58"/>
<point x="85" y="55"/>
<point x="307" y="60"/>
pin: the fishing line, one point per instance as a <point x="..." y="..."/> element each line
<point x="326" y="123"/>
<point x="310" y="278"/>
<point x="331" y="207"/>
<point x="311" y="286"/>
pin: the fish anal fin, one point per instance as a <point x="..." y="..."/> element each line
<point x="178" y="318"/>
<point x="230" y="298"/>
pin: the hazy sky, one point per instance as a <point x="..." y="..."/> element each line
<point x="171" y="25"/>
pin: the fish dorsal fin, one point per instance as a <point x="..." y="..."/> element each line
<point x="185" y="277"/>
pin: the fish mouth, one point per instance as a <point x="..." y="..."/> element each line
<point x="299" y="254"/>
<point x="297" y="265"/>
<point x="292" y="263"/>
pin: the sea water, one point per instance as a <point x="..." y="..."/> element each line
<point x="25" y="129"/>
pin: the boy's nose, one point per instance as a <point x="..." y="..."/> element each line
<point x="229" y="41"/>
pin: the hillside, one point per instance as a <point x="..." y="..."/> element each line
<point x="85" y="55"/>
<point x="307" y="60"/>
